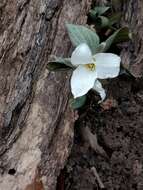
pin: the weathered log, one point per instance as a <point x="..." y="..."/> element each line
<point x="36" y="121"/>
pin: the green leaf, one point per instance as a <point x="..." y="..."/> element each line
<point x="80" y="34"/>
<point x="55" y="66"/>
<point x="115" y="18"/>
<point x="65" y="61"/>
<point x="102" y="22"/>
<point x="120" y="35"/>
<point x="59" y="64"/>
<point x="78" y="102"/>
<point x="97" y="11"/>
<point x="126" y="71"/>
<point x="123" y="35"/>
<point x="100" y="48"/>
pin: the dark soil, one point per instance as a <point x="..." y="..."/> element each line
<point x="120" y="133"/>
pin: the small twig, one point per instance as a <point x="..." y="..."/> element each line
<point x="92" y="141"/>
<point x="101" y="185"/>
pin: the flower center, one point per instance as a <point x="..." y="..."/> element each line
<point x="91" y="66"/>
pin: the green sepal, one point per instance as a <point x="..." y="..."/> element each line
<point x="78" y="102"/>
<point x="59" y="64"/>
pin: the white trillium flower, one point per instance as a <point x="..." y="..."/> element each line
<point x="90" y="68"/>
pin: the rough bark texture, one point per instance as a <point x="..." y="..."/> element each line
<point x="132" y="55"/>
<point x="36" y="122"/>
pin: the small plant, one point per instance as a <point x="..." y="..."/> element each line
<point x="103" y="17"/>
<point x="89" y="62"/>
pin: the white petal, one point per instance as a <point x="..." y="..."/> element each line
<point x="107" y="65"/>
<point x="81" y="55"/>
<point x="98" y="87"/>
<point x="82" y="81"/>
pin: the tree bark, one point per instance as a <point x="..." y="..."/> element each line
<point x="36" y="122"/>
<point x="132" y="55"/>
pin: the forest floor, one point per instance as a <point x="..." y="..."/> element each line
<point x="118" y="124"/>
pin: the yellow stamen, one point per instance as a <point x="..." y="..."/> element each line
<point x="90" y="66"/>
